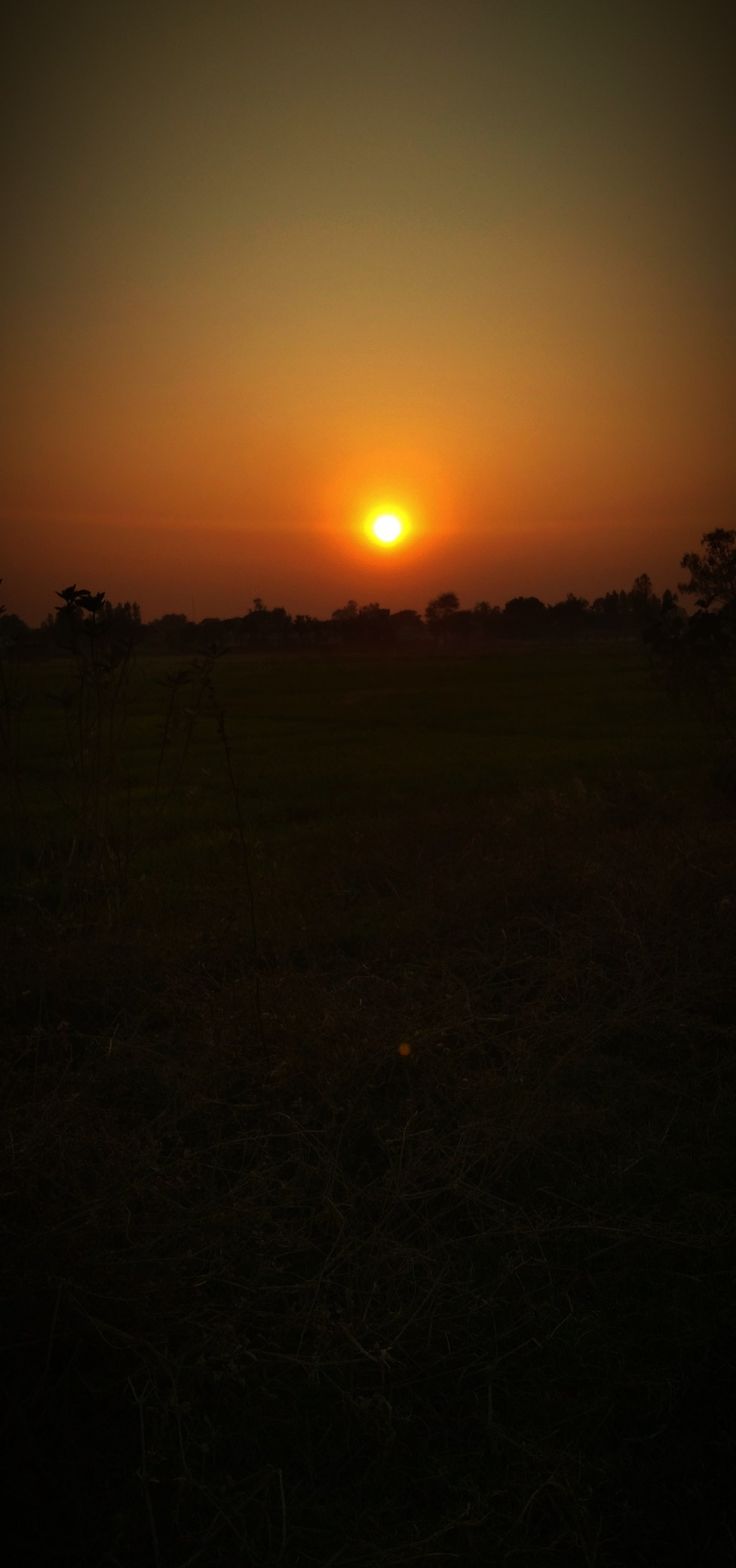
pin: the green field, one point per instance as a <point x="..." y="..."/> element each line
<point x="317" y="740"/>
<point x="278" y="1293"/>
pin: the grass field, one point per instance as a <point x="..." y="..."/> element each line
<point x="278" y="1292"/>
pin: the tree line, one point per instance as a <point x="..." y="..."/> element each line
<point x="444" y="623"/>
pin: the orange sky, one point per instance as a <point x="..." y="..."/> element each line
<point x="271" y="263"/>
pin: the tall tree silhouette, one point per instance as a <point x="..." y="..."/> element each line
<point x="712" y="574"/>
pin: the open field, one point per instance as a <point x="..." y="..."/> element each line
<point x="328" y="742"/>
<point x="276" y="1292"/>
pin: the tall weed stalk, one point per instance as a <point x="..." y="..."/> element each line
<point x="12" y="705"/>
<point x="95" y="713"/>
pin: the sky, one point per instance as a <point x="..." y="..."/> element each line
<point x="271" y="266"/>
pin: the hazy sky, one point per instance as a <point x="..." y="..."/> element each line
<point x="267" y="264"/>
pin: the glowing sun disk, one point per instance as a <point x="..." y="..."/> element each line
<point x="387" y="528"/>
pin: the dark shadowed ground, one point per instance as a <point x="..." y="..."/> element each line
<point x="279" y="1293"/>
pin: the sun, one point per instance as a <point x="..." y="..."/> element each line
<point x="386" y="528"/>
<point x="387" y="524"/>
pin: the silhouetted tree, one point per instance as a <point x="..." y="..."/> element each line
<point x="569" y="616"/>
<point x="670" y="606"/>
<point x="697" y="655"/>
<point x="13" y="631"/>
<point x="210" y="632"/>
<point x="173" y="632"/>
<point x="122" y="622"/>
<point x="461" y="627"/>
<point x="440" y="609"/>
<point x="407" y="626"/>
<point x="524" y="616"/>
<point x="374" y="623"/>
<point x="308" y="631"/>
<point x="712" y="574"/>
<point x="609" y="612"/>
<point x="641" y="588"/>
<point x="644" y="605"/>
<point x="488" y="619"/>
<point x="364" y="627"/>
<point x="264" y="628"/>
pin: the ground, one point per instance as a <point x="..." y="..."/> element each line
<point x="280" y="1292"/>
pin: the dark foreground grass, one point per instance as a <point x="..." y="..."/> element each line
<point x="280" y="1294"/>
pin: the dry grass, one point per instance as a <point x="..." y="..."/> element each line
<point x="277" y="1293"/>
<point x="313" y="1301"/>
